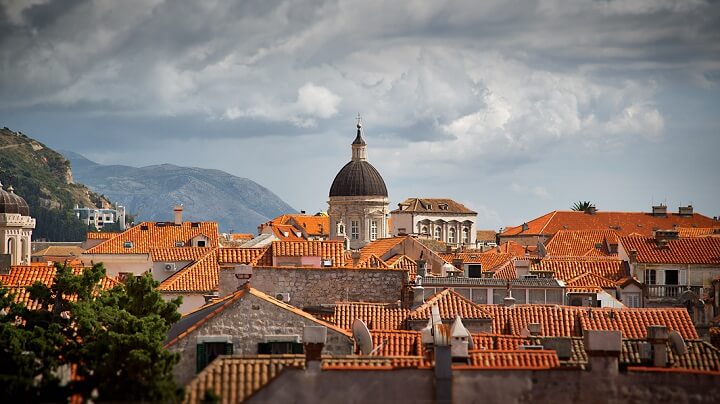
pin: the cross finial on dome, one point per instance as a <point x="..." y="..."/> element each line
<point x="359" y="121"/>
<point x="358" y="139"/>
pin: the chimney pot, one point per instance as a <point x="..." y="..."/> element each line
<point x="178" y="210"/>
<point x="314" y="339"/>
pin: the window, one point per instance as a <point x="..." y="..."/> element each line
<point x="207" y="351"/>
<point x="201" y="243"/>
<point x="354" y="229"/>
<point x="465" y="235"/>
<point x="519" y="295"/>
<point x="179" y="244"/>
<point x="479" y="296"/>
<point x="553" y="296"/>
<point x="464" y="292"/>
<point x="536" y="296"/>
<point x="475" y="271"/>
<point x="340" y="228"/>
<point x="424" y="230"/>
<point x="437" y="233"/>
<point x="631" y="299"/>
<point x="280" y="347"/>
<point x="128" y="244"/>
<point x="499" y="295"/>
<point x="373" y="230"/>
<point x="650" y="277"/>
<point x="451" y="235"/>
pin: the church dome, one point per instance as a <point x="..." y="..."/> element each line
<point x="12" y="203"/>
<point x="358" y="178"/>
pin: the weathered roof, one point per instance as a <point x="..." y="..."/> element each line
<point x="570" y="267"/>
<point x="578" y="243"/>
<point x="156" y="235"/>
<point x="699" y="250"/>
<point x="451" y="305"/>
<point x="432" y="205"/>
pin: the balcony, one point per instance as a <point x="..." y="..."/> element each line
<point x="671" y="291"/>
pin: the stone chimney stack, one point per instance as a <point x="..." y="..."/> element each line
<point x="418" y="293"/>
<point x="658" y="336"/>
<point x="178" y="210"/>
<point x="355" y="255"/>
<point x="314" y="338"/>
<point x="603" y="349"/>
<point x="522" y="268"/>
<point x="421" y="267"/>
<point x="685" y="211"/>
<point x="659" y="210"/>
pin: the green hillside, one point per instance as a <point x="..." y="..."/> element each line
<point x="43" y="177"/>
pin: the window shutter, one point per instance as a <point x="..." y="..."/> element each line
<point x="264" y="348"/>
<point x="201" y="357"/>
<point x="229" y="348"/>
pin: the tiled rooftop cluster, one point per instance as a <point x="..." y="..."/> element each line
<point x="147" y="236"/>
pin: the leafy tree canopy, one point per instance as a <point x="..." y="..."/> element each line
<point x="111" y="340"/>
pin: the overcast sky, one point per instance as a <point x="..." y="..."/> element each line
<point x="513" y="108"/>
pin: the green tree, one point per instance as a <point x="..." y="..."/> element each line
<point x="582" y="206"/>
<point x="113" y="340"/>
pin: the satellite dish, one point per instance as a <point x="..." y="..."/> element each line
<point x="362" y="337"/>
<point x="677" y="342"/>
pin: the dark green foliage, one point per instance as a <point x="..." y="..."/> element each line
<point x="582" y="206"/>
<point x="114" y="340"/>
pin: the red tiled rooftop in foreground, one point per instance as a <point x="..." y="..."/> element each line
<point x="624" y="223"/>
<point x="698" y="250"/>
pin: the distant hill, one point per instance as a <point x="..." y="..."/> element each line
<point x="43" y="178"/>
<point x="236" y="203"/>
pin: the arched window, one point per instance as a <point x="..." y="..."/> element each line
<point x="340" y="228"/>
<point x="465" y="235"/>
<point x="424" y="230"/>
<point x="451" y="235"/>
<point x="438" y="233"/>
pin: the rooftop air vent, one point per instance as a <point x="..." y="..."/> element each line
<point x="179" y="244"/>
<point x="128" y="244"/>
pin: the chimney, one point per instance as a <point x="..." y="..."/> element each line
<point x="314" y="338"/>
<point x="443" y="362"/>
<point x="355" y="255"/>
<point x="535" y="329"/>
<point x="458" y="263"/>
<point x="603" y="349"/>
<point x="685" y="210"/>
<point x="178" y="210"/>
<point x="663" y="236"/>
<point x="460" y="341"/>
<point x="522" y="268"/>
<point x="632" y="256"/>
<point x="231" y="279"/>
<point x="525" y="227"/>
<point x="421" y="267"/>
<point x="659" y="210"/>
<point x="658" y="336"/>
<point x="418" y="293"/>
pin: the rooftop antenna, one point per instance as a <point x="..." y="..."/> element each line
<point x="362" y="337"/>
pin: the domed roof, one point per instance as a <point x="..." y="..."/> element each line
<point x="11" y="203"/>
<point x="358" y="178"/>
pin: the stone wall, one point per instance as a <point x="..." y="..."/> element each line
<point x="314" y="286"/>
<point x="248" y="322"/>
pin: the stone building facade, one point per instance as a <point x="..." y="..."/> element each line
<point x="16" y="227"/>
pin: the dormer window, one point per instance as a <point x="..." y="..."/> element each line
<point x="179" y="244"/>
<point x="128" y="244"/>
<point x="201" y="243"/>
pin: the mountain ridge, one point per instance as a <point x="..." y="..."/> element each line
<point x="237" y="203"/>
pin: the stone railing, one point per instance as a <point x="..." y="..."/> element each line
<point x="671" y="291"/>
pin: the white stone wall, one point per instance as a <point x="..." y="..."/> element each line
<point x="247" y="322"/>
<point x="364" y="209"/>
<point x="308" y="286"/>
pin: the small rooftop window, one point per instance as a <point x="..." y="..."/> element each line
<point x="143" y="227"/>
<point x="128" y="244"/>
<point x="179" y="244"/>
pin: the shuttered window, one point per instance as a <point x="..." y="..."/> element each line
<point x="207" y="351"/>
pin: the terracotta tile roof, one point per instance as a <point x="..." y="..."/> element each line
<point x="176" y="254"/>
<point x="314" y="225"/>
<point x="332" y="250"/>
<point x="374" y="362"/>
<point x="590" y="281"/>
<point x="516" y="249"/>
<point x="377" y="248"/>
<point x="95" y="235"/>
<point x="633" y="323"/>
<point x="402" y="261"/>
<point x="513" y="359"/>
<point x="59" y="251"/>
<point x="451" y="305"/>
<point x="506" y="271"/>
<point x="685" y="232"/>
<point x="485" y="235"/>
<point x="700" y="355"/>
<point x="241" y="236"/>
<point x="397" y="343"/>
<point x="286" y="232"/>
<point x="240" y="255"/>
<point x="151" y="235"/>
<point x="22" y="276"/>
<point x="431" y="205"/>
<point x="579" y="243"/>
<point x="571" y="267"/>
<point x="499" y="341"/>
<point x="555" y="321"/>
<point x="699" y="250"/>
<point x="377" y="316"/>
<point x="236" y="379"/>
<point x="200" y="276"/>
<point x="490" y="260"/>
<point x="372" y="261"/>
<point x="625" y="223"/>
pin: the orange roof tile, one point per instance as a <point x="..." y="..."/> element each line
<point x="685" y="232"/>
<point x="200" y="276"/>
<point x="397" y="343"/>
<point x="490" y="260"/>
<point x="95" y="235"/>
<point x="498" y="341"/>
<point x="451" y="305"/>
<point x="175" y="254"/>
<point x="578" y="243"/>
<point x="286" y="232"/>
<point x="516" y="249"/>
<point x="332" y="250"/>
<point x="377" y="248"/>
<point x="555" y="321"/>
<point x="590" y="280"/>
<point x="377" y="316"/>
<point x="241" y="236"/>
<point x="506" y="271"/>
<point x="699" y="250"/>
<point x="624" y="223"/>
<point x="571" y="267"/>
<point x="402" y="261"/>
<point x="312" y="224"/>
<point x="240" y="255"/>
<point x="153" y="235"/>
<point x="512" y="359"/>
<point x="633" y="323"/>
<point x="486" y="235"/>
